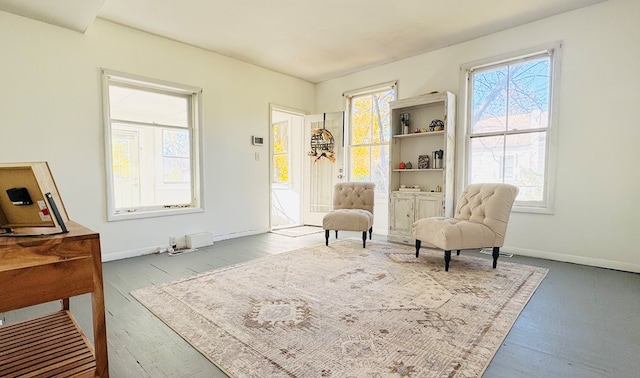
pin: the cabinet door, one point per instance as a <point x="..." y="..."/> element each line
<point x="428" y="207"/>
<point x="402" y="213"/>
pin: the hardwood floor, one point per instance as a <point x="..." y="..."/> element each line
<point x="581" y="322"/>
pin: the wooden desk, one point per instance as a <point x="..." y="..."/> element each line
<point x="42" y="269"/>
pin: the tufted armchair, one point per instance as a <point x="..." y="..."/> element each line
<point x="479" y="221"/>
<point x="352" y="210"/>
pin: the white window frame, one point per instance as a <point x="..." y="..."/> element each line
<point x="348" y="96"/>
<point x="144" y="83"/>
<point x="546" y="206"/>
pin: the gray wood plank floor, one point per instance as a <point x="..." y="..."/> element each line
<point x="581" y="322"/>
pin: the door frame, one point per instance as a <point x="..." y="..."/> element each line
<point x="295" y="112"/>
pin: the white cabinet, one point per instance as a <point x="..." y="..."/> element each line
<point x="410" y="145"/>
<point x="406" y="208"/>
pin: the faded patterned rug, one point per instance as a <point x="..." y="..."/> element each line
<point x="345" y="311"/>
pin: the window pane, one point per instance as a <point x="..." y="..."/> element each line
<point x="148" y="107"/>
<point x="383" y="116"/>
<point x="175" y="143"/>
<point x="520" y="162"/>
<point x="176" y="166"/>
<point x="281" y="168"/>
<point x="486" y="159"/>
<point x="125" y="158"/>
<point x="380" y="168"/>
<point x="525" y="164"/>
<point x="280" y="138"/>
<point x="489" y="101"/>
<point x="371" y="164"/>
<point x="361" y="120"/>
<point x="529" y="94"/>
<point x="280" y="152"/>
<point x="361" y="163"/>
<point x="371" y="118"/>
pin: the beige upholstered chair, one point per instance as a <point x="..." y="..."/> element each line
<point x="479" y="221"/>
<point x="352" y="210"/>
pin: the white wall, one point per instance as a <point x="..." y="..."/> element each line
<point x="50" y="109"/>
<point x="597" y="212"/>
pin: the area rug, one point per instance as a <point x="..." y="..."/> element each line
<point x="294" y="232"/>
<point x="345" y="311"/>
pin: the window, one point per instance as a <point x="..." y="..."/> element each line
<point x="370" y="133"/>
<point x="151" y="134"/>
<point x="510" y="127"/>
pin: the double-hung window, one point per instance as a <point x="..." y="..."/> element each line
<point x="510" y="120"/>
<point x="152" y="154"/>
<point x="370" y="134"/>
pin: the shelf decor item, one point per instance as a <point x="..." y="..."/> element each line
<point x="423" y="162"/>
<point x="436" y="160"/>
<point x="404" y="123"/>
<point x="436" y="125"/>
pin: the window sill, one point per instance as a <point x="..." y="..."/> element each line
<point x="153" y="213"/>
<point x="532" y="210"/>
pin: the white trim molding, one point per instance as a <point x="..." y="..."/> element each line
<point x="574" y="259"/>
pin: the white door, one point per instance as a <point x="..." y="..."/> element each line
<point x="325" y="168"/>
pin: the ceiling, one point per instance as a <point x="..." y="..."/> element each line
<point x="315" y="40"/>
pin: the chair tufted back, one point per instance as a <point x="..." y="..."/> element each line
<point x="489" y="204"/>
<point x="354" y="195"/>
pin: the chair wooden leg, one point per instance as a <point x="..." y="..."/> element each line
<point x="370" y="232"/>
<point x="326" y="237"/>
<point x="458" y="252"/>
<point x="364" y="239"/>
<point x="336" y="234"/>
<point x="496" y="254"/>
<point x="447" y="259"/>
<point x="418" y="242"/>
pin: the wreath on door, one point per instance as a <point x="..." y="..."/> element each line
<point x="322" y="144"/>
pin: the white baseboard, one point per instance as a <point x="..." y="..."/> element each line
<point x="600" y="263"/>
<point x="131" y="253"/>
<point x="234" y="235"/>
<point x="153" y="249"/>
